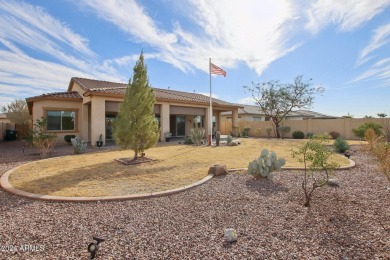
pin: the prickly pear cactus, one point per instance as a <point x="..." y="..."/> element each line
<point x="265" y="165"/>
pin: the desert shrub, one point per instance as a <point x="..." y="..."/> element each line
<point x="269" y="130"/>
<point x="334" y="134"/>
<point x="359" y="132"/>
<point x="79" y="145"/>
<point x="298" y="135"/>
<point x="265" y="165"/>
<point x="68" y="137"/>
<point x="258" y="132"/>
<point x="283" y="130"/>
<point x="44" y="142"/>
<point x="217" y="138"/>
<point x="315" y="156"/>
<point x="340" y="145"/>
<point x="381" y="149"/>
<point x="197" y="135"/>
<point x="187" y="140"/>
<point x="309" y="135"/>
<point x="229" y="139"/>
<point x="236" y="131"/>
<point x="246" y="131"/>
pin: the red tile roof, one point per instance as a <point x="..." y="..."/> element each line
<point x="98" y="86"/>
<point x="70" y="95"/>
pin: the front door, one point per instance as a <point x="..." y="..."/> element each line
<point x="178" y="125"/>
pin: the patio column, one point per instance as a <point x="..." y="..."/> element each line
<point x="164" y="121"/>
<point x="84" y="122"/>
<point x="235" y="117"/>
<point x="98" y="119"/>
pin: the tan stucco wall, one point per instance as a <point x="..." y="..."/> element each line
<point x="42" y="105"/>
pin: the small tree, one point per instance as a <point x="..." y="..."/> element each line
<point x="136" y="127"/>
<point x="17" y="112"/>
<point x="276" y="100"/>
<point x="315" y="156"/>
<point x="359" y="132"/>
<point x="44" y="142"/>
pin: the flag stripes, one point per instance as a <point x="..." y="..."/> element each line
<point x="214" y="69"/>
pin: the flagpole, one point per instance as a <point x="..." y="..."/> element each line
<point x="210" y="137"/>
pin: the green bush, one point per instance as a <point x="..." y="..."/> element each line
<point x="68" y="137"/>
<point x="340" y="145"/>
<point x="298" y="135"/>
<point x="229" y="139"/>
<point x="246" y="131"/>
<point x="41" y="140"/>
<point x="334" y="134"/>
<point x="309" y="135"/>
<point x="187" y="140"/>
<point x="269" y="130"/>
<point x="359" y="132"/>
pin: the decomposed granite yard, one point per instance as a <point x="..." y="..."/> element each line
<point x="351" y="222"/>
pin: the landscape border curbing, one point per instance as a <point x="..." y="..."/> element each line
<point x="6" y="186"/>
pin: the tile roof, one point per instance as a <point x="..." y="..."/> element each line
<point x="70" y="95"/>
<point x="3" y="116"/>
<point x="250" y="109"/>
<point x="98" y="86"/>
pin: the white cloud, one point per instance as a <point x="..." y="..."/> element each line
<point x="380" y="38"/>
<point x="247" y="101"/>
<point x="346" y="14"/>
<point x="230" y="32"/>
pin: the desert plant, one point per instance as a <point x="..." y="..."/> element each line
<point x="258" y="132"/>
<point x="269" y="130"/>
<point x="197" y="135"/>
<point x="79" y="145"/>
<point x="265" y="165"/>
<point x="246" y="131"/>
<point x="298" y="135"/>
<point x="68" y="137"/>
<point x="381" y="149"/>
<point x="315" y="157"/>
<point x="340" y="145"/>
<point x="283" y="130"/>
<point x="359" y="132"/>
<point x="334" y="134"/>
<point x="229" y="139"/>
<point x="187" y="140"/>
<point x="217" y="138"/>
<point x="236" y="131"/>
<point x="309" y="135"/>
<point x="44" y="142"/>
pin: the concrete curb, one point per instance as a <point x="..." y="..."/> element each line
<point x="6" y="186"/>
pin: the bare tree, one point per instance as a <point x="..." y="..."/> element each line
<point x="276" y="100"/>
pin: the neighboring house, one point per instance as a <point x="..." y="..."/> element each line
<point x="250" y="113"/>
<point x="89" y="106"/>
<point x="4" y="119"/>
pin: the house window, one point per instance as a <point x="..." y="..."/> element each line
<point x="257" y="118"/>
<point x="61" y="120"/>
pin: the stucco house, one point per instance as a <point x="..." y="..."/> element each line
<point x="88" y="108"/>
<point x="250" y="113"/>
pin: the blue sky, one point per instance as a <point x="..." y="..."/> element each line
<point x="342" y="45"/>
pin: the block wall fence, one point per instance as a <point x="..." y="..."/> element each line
<point x="316" y="126"/>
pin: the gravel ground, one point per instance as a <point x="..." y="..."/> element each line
<point x="352" y="222"/>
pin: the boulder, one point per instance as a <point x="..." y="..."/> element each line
<point x="234" y="143"/>
<point x="218" y="170"/>
<point x="230" y="235"/>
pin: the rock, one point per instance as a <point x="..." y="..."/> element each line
<point x="218" y="170"/>
<point x="333" y="183"/>
<point x="234" y="143"/>
<point x="230" y="235"/>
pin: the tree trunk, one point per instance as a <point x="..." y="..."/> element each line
<point x="135" y="155"/>
<point x="276" y="129"/>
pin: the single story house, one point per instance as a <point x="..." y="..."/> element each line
<point x="250" y="113"/>
<point x="88" y="108"/>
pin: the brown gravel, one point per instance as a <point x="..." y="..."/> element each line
<point x="352" y="222"/>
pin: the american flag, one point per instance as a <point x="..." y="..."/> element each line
<point x="214" y="69"/>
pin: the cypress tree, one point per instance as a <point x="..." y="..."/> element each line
<point x="135" y="126"/>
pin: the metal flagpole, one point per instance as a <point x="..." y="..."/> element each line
<point x="210" y="137"/>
